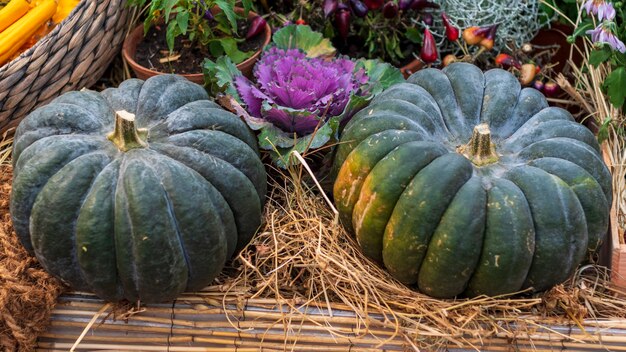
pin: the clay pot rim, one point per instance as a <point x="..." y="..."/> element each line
<point x="412" y="67"/>
<point x="138" y="31"/>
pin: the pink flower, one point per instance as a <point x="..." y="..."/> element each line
<point x="603" y="9"/>
<point x="602" y="34"/>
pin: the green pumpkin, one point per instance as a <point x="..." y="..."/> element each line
<point x="139" y="192"/>
<point x="463" y="183"/>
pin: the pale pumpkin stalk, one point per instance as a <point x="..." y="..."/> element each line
<point x="126" y="136"/>
<point x="12" y="12"/>
<point x="12" y="39"/>
<point x="480" y="150"/>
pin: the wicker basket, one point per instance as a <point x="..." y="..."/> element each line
<point x="74" y="55"/>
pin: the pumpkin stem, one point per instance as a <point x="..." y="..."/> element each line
<point x="125" y="135"/>
<point x="480" y="150"/>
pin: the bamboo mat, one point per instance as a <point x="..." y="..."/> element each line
<point x="213" y="321"/>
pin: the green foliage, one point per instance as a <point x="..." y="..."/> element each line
<point x="191" y="18"/>
<point x="567" y="8"/>
<point x="303" y="38"/>
<point x="219" y="75"/>
<point x="413" y="35"/>
<point x="381" y="75"/>
<point x="603" y="130"/>
<point x="599" y="56"/>
<point x="374" y="36"/>
<point x="615" y="85"/>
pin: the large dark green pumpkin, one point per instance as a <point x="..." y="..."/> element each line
<point x="464" y="183"/>
<point x="148" y="211"/>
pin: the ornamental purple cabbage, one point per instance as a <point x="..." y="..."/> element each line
<point x="295" y="92"/>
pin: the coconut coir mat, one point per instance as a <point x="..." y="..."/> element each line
<point x="27" y="293"/>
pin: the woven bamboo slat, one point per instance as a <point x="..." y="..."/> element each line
<point x="199" y="322"/>
<point x="73" y="56"/>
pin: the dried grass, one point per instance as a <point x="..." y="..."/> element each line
<point x="587" y="93"/>
<point x="6" y="144"/>
<point x="303" y="258"/>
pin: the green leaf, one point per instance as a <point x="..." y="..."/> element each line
<point x="304" y="38"/>
<point x="247" y="6"/>
<point x="355" y="104"/>
<point x="229" y="10"/>
<point x="547" y="10"/>
<point x="329" y="30"/>
<point x="147" y="23"/>
<point x="171" y="34"/>
<point x="182" y="19"/>
<point x="599" y="56"/>
<point x="603" y="131"/>
<point x="620" y="58"/>
<point x="272" y="137"/>
<point x="615" y="85"/>
<point x="389" y="45"/>
<point x="398" y="53"/>
<point x="413" y="35"/>
<point x="215" y="48"/>
<point x="281" y="144"/>
<point x="582" y="28"/>
<point x="232" y="51"/>
<point x="167" y="8"/>
<point x="381" y="75"/>
<point x="219" y="76"/>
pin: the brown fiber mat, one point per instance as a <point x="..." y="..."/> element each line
<point x="27" y="293"/>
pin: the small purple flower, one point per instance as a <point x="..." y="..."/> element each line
<point x="603" y="9"/>
<point x="603" y="34"/>
<point x="294" y="92"/>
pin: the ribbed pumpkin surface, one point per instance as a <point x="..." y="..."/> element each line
<point x="147" y="223"/>
<point x="525" y="215"/>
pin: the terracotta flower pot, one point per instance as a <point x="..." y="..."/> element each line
<point x="412" y="67"/>
<point x="129" y="50"/>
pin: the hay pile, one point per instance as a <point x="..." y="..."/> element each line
<point x="27" y="292"/>
<point x="588" y="94"/>
<point x="302" y="255"/>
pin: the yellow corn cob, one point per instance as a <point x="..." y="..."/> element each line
<point x="63" y="9"/>
<point x="12" y="12"/>
<point x="12" y="39"/>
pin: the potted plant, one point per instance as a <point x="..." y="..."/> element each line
<point x="373" y="29"/>
<point x="176" y="36"/>
<point x="300" y="95"/>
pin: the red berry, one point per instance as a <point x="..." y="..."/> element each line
<point x="428" y="54"/>
<point x="550" y="89"/>
<point x="390" y="10"/>
<point x="452" y="33"/>
<point x="506" y="61"/>
<point x="342" y="21"/>
<point x="257" y="25"/>
<point x="374" y="4"/>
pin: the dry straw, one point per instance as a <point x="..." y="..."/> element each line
<point x="303" y="254"/>
<point x="587" y="93"/>
<point x="6" y="144"/>
<point x="303" y="285"/>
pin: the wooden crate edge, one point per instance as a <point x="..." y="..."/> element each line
<point x="617" y="249"/>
